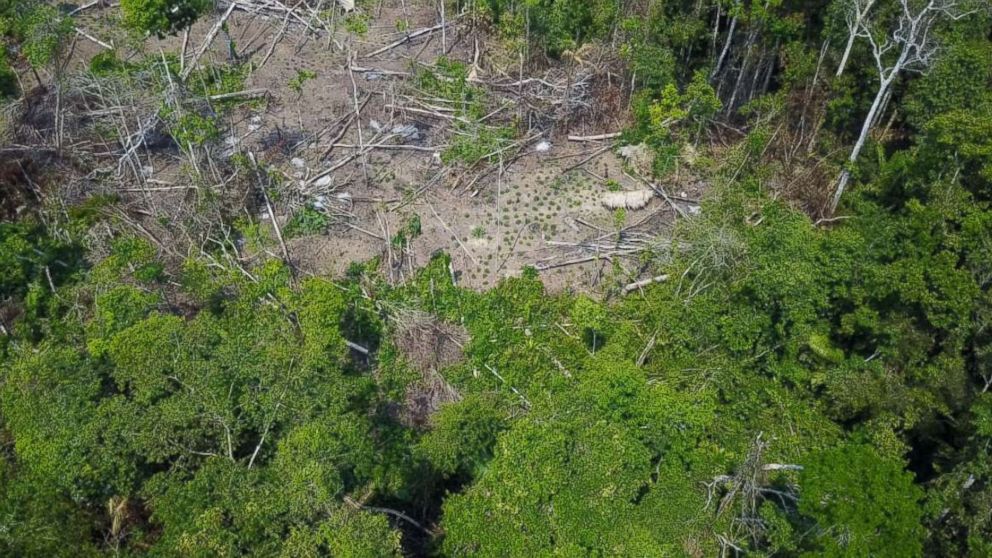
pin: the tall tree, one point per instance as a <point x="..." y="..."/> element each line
<point x="914" y="46"/>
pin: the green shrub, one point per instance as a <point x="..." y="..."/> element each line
<point x="301" y="77"/>
<point x="45" y="31"/>
<point x="305" y="222"/>
<point x="162" y="17"/>
<point x="107" y="63"/>
<point x="194" y="129"/>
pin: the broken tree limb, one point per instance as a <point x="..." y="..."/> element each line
<point x="344" y="127"/>
<point x="452" y="233"/>
<point x="658" y="189"/>
<point x="398" y="147"/>
<point x="644" y="283"/>
<point x="592" y="156"/>
<point x="207" y="41"/>
<point x="397" y="514"/>
<point x="357" y="347"/>
<point x="593" y="258"/>
<point x="86" y="35"/>
<point x="246" y="94"/>
<point x="523" y="399"/>
<point x="272" y="214"/>
<point x="86" y="6"/>
<point x="275" y="41"/>
<point x="598" y="137"/>
<point x="661" y="192"/>
<point x="647" y="349"/>
<point x="409" y="37"/>
<point x="781" y="467"/>
<point x="348" y="159"/>
<point x="363" y="70"/>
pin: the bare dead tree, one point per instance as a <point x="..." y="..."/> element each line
<point x="855" y="12"/>
<point x="914" y="47"/>
<point x="745" y="490"/>
<point x="726" y="44"/>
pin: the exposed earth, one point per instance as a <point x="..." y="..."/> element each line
<point x="541" y="203"/>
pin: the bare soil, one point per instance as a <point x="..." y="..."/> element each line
<point x="538" y="209"/>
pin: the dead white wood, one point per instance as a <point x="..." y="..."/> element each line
<point x="86" y="35"/>
<point x="246" y="94"/>
<point x="781" y="467"/>
<point x="644" y="283"/>
<point x="183" y="50"/>
<point x="207" y="41"/>
<point x="444" y="34"/>
<point x="363" y="231"/>
<point x="425" y="112"/>
<point x="343" y="129"/>
<point x="340" y="134"/>
<point x="86" y="6"/>
<point x="356" y="347"/>
<point x="159" y="188"/>
<point x="726" y="46"/>
<point x="358" y="118"/>
<point x="364" y="70"/>
<point x="275" y="225"/>
<point x="513" y="389"/>
<point x="855" y="12"/>
<point x="265" y="432"/>
<point x="397" y="147"/>
<point x="598" y="137"/>
<point x="661" y="192"/>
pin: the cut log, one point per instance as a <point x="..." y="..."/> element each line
<point x="641" y="284"/>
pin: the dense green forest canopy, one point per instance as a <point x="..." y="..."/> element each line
<point x="807" y="382"/>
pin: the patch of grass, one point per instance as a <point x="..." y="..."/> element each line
<point x="357" y="23"/>
<point x="305" y="222"/>
<point x="301" y="77"/>
<point x="220" y="80"/>
<point x="411" y="229"/>
<point x="472" y="144"/>
<point x="194" y="129"/>
<point x="107" y="63"/>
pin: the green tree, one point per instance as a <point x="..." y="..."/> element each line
<point x="862" y="504"/>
